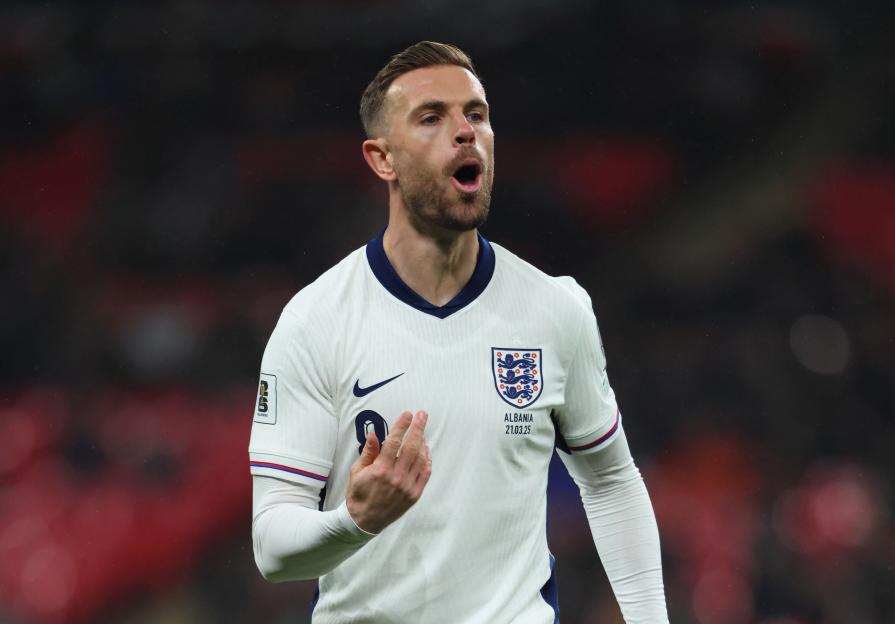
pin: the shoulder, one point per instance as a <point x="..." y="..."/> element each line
<point x="327" y="294"/>
<point x="563" y="292"/>
<point x="316" y="309"/>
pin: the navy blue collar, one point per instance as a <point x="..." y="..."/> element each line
<point x="388" y="277"/>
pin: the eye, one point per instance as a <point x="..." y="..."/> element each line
<point x="429" y="120"/>
<point x="475" y="116"/>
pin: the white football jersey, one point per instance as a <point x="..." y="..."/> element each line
<point x="508" y="369"/>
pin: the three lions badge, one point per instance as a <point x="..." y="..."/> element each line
<point x="517" y="375"/>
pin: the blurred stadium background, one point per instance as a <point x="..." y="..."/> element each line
<point x="720" y="176"/>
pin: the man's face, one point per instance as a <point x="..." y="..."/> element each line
<point x="442" y="145"/>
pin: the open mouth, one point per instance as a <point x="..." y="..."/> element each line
<point x="468" y="176"/>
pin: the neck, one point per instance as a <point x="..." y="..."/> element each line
<point x="435" y="267"/>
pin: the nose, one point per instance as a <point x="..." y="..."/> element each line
<point x="465" y="133"/>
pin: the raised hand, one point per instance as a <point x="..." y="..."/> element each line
<point x="385" y="483"/>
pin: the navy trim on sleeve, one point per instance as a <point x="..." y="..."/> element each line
<point x="388" y="277"/>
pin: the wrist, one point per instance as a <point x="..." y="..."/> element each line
<point x="350" y="525"/>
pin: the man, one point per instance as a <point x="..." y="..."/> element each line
<point x="424" y="381"/>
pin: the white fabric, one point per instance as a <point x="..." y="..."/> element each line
<point x="623" y="527"/>
<point x="293" y="540"/>
<point x="473" y="548"/>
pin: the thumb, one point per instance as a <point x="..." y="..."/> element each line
<point x="371" y="450"/>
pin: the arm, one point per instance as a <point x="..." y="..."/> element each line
<point x="595" y="452"/>
<point x="623" y="527"/>
<point x="291" y="450"/>
<point x="292" y="540"/>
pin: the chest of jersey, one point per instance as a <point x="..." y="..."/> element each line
<point x="488" y="386"/>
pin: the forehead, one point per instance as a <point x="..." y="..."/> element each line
<point x="450" y="84"/>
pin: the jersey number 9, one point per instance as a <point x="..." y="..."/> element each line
<point x="364" y="422"/>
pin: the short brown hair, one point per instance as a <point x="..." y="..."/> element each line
<point x="422" y="54"/>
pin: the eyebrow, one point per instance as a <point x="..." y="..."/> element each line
<point x="439" y="106"/>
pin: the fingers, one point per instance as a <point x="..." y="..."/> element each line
<point x="422" y="461"/>
<point x="392" y="443"/>
<point x="413" y="441"/>
<point x="425" y="471"/>
<point x="371" y="450"/>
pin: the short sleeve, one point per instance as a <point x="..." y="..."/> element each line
<point x="589" y="418"/>
<point x="294" y="427"/>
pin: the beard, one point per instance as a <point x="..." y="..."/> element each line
<point x="430" y="202"/>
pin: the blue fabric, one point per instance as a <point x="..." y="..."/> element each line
<point x="550" y="592"/>
<point x="388" y="277"/>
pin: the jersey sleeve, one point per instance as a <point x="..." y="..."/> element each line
<point x="589" y="418"/>
<point x="294" y="428"/>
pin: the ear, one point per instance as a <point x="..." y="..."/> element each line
<point x="379" y="159"/>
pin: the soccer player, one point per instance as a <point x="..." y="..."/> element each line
<point x="423" y="383"/>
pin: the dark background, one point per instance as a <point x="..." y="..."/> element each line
<point x="720" y="176"/>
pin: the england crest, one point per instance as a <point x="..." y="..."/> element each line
<point x="517" y="375"/>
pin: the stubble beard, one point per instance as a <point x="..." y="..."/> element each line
<point x="432" y="207"/>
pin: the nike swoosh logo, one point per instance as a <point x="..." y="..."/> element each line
<point x="361" y="392"/>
